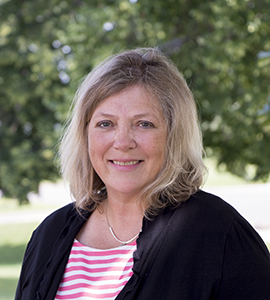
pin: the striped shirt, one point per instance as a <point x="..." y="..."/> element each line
<point x="96" y="273"/>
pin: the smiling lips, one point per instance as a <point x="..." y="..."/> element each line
<point x="127" y="163"/>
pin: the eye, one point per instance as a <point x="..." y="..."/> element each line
<point x="104" y="124"/>
<point x="146" y="124"/>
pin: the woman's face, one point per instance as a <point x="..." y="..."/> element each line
<point x="127" y="137"/>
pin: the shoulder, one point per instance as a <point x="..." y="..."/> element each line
<point x="209" y="245"/>
<point x="61" y="221"/>
<point x="61" y="225"/>
<point x="211" y="208"/>
<point x="208" y="216"/>
<point x="207" y="222"/>
<point x="58" y="218"/>
<point x="202" y="216"/>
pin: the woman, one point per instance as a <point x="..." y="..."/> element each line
<point x="142" y="228"/>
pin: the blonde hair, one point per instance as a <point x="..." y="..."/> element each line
<point x="183" y="168"/>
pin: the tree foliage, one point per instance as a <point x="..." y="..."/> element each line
<point x="46" y="47"/>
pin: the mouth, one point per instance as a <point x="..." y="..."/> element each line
<point x="125" y="163"/>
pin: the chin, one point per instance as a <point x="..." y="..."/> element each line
<point x="131" y="192"/>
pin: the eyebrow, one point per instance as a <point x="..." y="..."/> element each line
<point x="138" y="116"/>
<point x="105" y="115"/>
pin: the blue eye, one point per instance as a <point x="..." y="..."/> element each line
<point x="104" y="124"/>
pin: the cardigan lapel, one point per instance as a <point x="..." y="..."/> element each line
<point x="149" y="243"/>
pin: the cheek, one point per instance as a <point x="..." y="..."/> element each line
<point x="95" y="153"/>
<point x="95" y="145"/>
<point x="161" y="146"/>
<point x="155" y="147"/>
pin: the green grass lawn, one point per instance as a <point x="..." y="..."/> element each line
<point x="13" y="240"/>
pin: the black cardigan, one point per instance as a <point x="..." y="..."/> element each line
<point x="201" y="250"/>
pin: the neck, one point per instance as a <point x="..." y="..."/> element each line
<point x="119" y="198"/>
<point x="114" y="235"/>
<point x="124" y="220"/>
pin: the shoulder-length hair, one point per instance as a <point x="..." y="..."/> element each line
<point x="182" y="172"/>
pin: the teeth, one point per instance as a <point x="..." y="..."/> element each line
<point x="128" y="163"/>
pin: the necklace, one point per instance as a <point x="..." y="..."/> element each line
<point x="113" y="234"/>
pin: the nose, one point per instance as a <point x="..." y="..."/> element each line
<point x="124" y="139"/>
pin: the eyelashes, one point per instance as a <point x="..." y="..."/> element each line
<point x="109" y="124"/>
<point x="104" y="124"/>
<point x="146" y="124"/>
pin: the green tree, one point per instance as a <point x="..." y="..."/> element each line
<point x="46" y="47"/>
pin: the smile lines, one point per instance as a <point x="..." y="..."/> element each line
<point x="127" y="163"/>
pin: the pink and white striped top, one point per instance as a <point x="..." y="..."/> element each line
<point x="96" y="273"/>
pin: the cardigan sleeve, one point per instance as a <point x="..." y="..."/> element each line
<point x="24" y="271"/>
<point x="246" y="265"/>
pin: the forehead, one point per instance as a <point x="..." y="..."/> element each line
<point x="135" y="99"/>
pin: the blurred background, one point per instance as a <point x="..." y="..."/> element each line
<point x="222" y="47"/>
